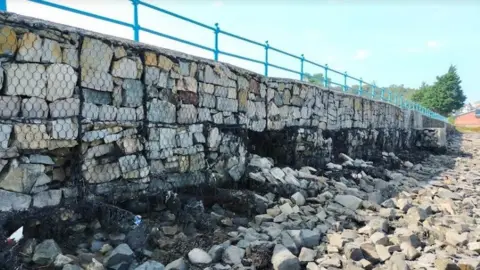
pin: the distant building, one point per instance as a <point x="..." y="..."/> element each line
<point x="469" y="119"/>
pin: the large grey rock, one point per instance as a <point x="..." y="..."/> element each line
<point x="21" y="179"/>
<point x="10" y="106"/>
<point x="95" y="55"/>
<point x="233" y="255"/>
<point x="30" y="48"/>
<point x="150" y="265"/>
<point x="26" y="80"/>
<point x="96" y="96"/>
<point x="47" y="198"/>
<point x="216" y="252"/>
<point x="298" y="199"/>
<point x="307" y="255"/>
<point x="349" y="201"/>
<point x="178" y="264"/>
<point x="34" y="107"/>
<point x="227" y="105"/>
<point x="64" y="108"/>
<point x="64" y="129"/>
<point x="132" y="93"/>
<point x="62" y="260"/>
<point x="98" y="80"/>
<point x="283" y="259"/>
<point x="199" y="257"/>
<point x="187" y="114"/>
<point x="46" y="252"/>
<point x="61" y="81"/>
<point x="13" y="201"/>
<point x="121" y="254"/>
<point x="161" y="111"/>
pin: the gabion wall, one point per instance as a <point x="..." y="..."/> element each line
<point x="83" y="114"/>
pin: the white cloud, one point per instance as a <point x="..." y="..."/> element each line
<point x="432" y="44"/>
<point x="218" y="3"/>
<point x="361" y="54"/>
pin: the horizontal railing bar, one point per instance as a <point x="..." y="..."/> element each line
<point x="241" y="38"/>
<point x="285" y="53"/>
<point x="335" y="71"/>
<point x="313" y="63"/>
<point x="176" y="15"/>
<point x="81" y="12"/>
<point x="176" y="39"/>
<point x="283" y="68"/>
<point x="241" y="57"/>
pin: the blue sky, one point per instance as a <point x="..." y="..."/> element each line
<point x="399" y="42"/>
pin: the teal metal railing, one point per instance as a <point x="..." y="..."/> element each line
<point x="362" y="89"/>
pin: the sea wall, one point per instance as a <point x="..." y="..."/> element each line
<point x="90" y="115"/>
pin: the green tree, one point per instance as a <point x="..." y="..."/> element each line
<point x="316" y="78"/>
<point x="445" y="95"/>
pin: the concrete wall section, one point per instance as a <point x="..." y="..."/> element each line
<point x="83" y="114"/>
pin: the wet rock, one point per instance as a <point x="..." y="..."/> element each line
<point x="307" y="255"/>
<point x="298" y="199"/>
<point x="150" y="265"/>
<point x="283" y="259"/>
<point x="233" y="255"/>
<point x="178" y="264"/>
<point x="199" y="257"/>
<point x="46" y="252"/>
<point x="349" y="201"/>
<point x="121" y="254"/>
<point x="62" y="260"/>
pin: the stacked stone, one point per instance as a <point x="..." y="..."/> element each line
<point x="112" y="116"/>
<point x="289" y="104"/>
<point x="39" y="103"/>
<point x="175" y="140"/>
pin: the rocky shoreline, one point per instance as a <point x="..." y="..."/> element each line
<point x="392" y="214"/>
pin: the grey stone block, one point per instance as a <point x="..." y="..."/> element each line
<point x="95" y="55"/>
<point x="132" y="93"/>
<point x="26" y="80"/>
<point x="227" y="105"/>
<point x="64" y="129"/>
<point x="126" y="114"/>
<point x="184" y="139"/>
<point x="97" y="97"/>
<point x="13" y="201"/>
<point x="187" y="114"/>
<point x="61" y="81"/>
<point x="90" y="111"/>
<point x="34" y="108"/>
<point x="47" y="198"/>
<point x="9" y="106"/>
<point x="161" y="111"/>
<point x="107" y="113"/>
<point x="65" y="108"/>
<point x="207" y="100"/>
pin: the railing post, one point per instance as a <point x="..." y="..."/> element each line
<point x="345" y="86"/>
<point x="325" y="78"/>
<point x="266" y="58"/>
<point x="301" y="66"/>
<point x="373" y="91"/>
<point x="383" y="94"/>
<point x="136" y="27"/>
<point x="215" y="52"/>
<point x="3" y="5"/>
<point x="360" y="88"/>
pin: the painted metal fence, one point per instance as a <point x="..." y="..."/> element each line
<point x="362" y="89"/>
